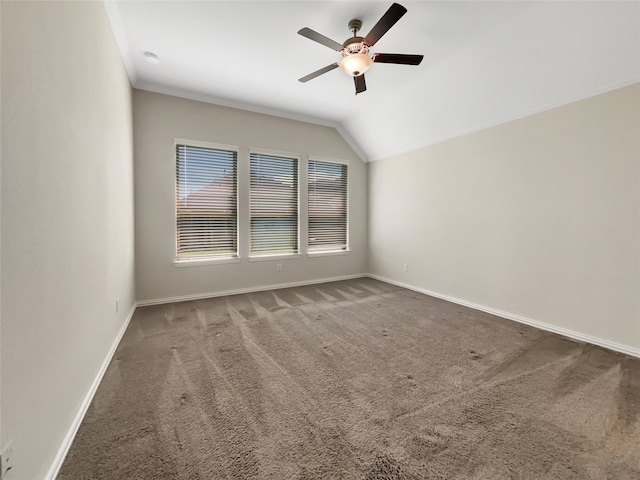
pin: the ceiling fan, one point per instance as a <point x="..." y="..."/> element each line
<point x="355" y="50"/>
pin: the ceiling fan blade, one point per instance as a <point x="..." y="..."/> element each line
<point x="387" y="21"/>
<point x="317" y="37"/>
<point x="398" y="58"/>
<point x="317" y="73"/>
<point x="361" y="85"/>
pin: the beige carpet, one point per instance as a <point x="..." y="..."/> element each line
<point x="355" y="380"/>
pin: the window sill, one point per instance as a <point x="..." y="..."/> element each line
<point x="266" y="258"/>
<point x="205" y="261"/>
<point x="330" y="253"/>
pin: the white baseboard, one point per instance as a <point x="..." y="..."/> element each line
<point x="618" y="347"/>
<point x="84" y="406"/>
<point x="68" y="439"/>
<point x="198" y="296"/>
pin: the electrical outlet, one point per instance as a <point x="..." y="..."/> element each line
<point x="6" y="462"/>
<point x="278" y="267"/>
<point x="405" y="267"/>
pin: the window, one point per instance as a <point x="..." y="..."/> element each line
<point x="206" y="202"/>
<point x="327" y="206"/>
<point x="274" y="204"/>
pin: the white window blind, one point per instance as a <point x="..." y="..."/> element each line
<point x="206" y="202"/>
<point x="274" y="204"/>
<point x="327" y="206"/>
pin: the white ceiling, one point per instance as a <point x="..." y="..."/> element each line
<point x="484" y="62"/>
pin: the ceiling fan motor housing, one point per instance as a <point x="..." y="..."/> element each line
<point x="355" y="55"/>
<point x="354" y="45"/>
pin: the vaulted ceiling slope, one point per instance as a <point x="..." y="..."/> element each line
<point x="484" y="63"/>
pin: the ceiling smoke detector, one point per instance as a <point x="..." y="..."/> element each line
<point x="151" y="58"/>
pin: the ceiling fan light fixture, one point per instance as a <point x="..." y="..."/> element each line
<point x="356" y="64"/>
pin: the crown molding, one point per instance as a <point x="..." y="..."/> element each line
<point x="592" y="92"/>
<point x="250" y="107"/>
<point x="113" y="13"/>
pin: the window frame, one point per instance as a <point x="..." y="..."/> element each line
<point x="212" y="260"/>
<point x="275" y="256"/>
<point x="347" y="249"/>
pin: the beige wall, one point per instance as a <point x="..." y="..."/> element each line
<point x="158" y="120"/>
<point x="67" y="217"/>
<point x="539" y="217"/>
